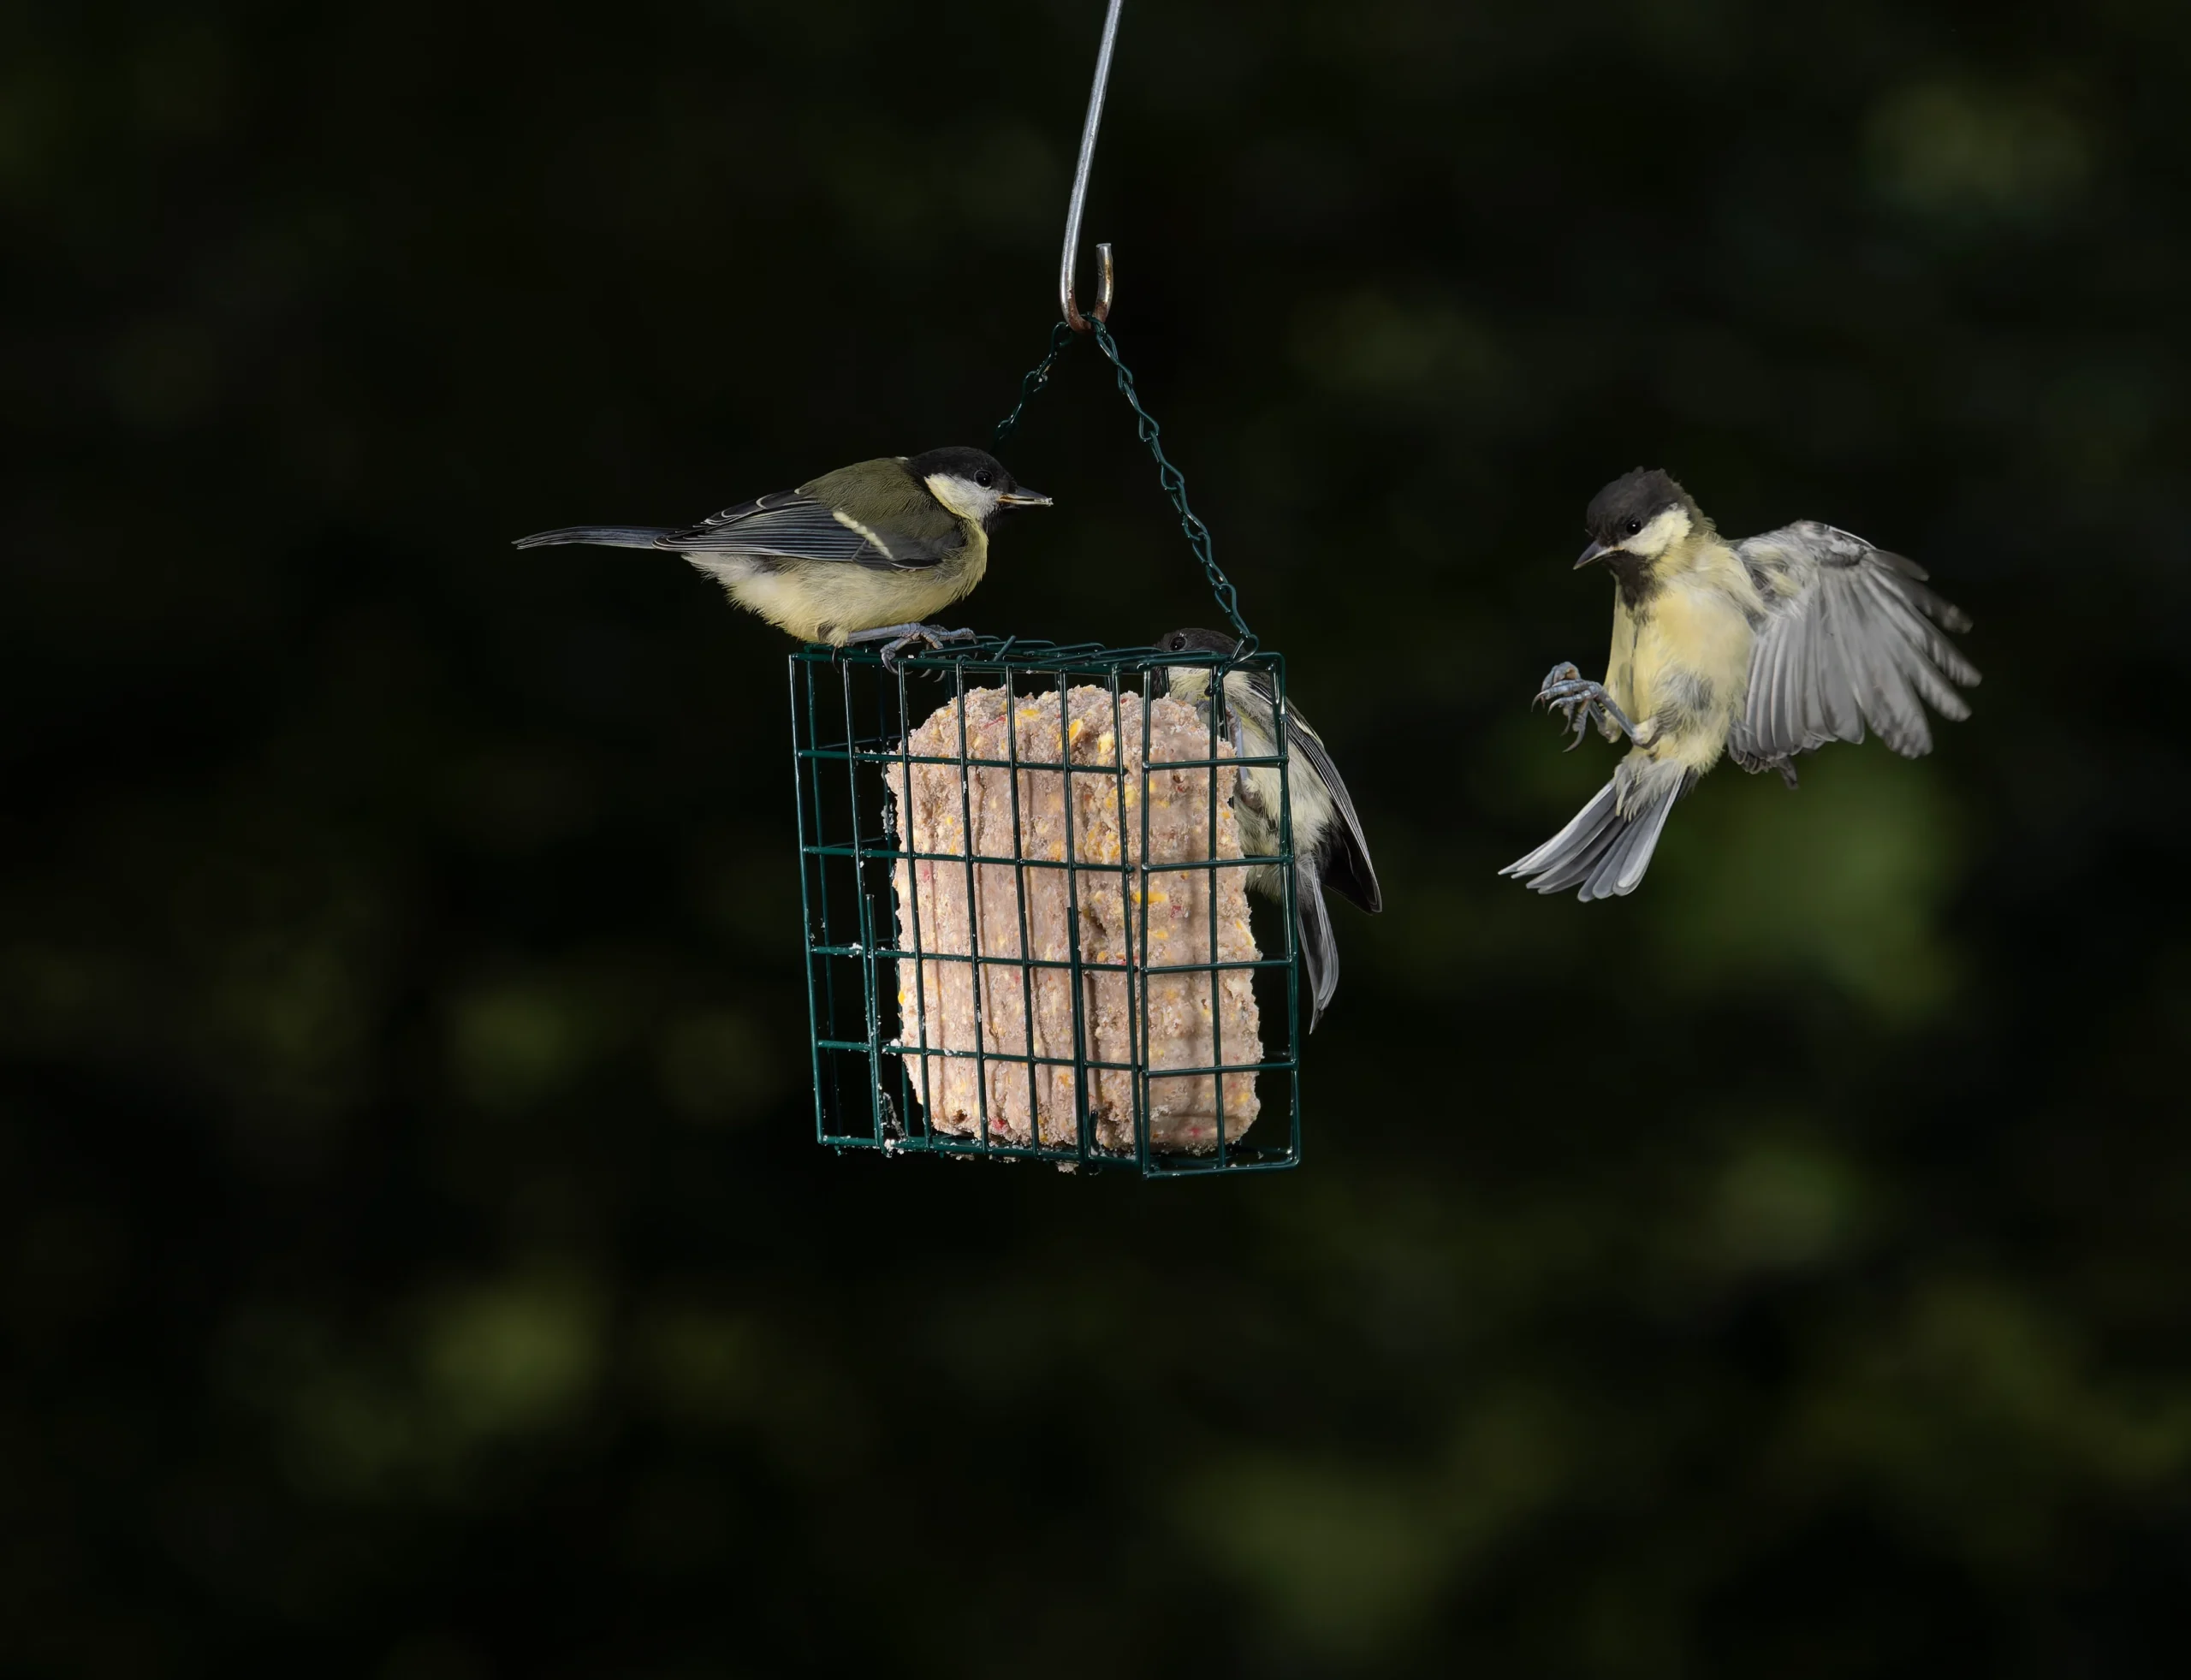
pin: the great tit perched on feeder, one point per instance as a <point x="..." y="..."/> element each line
<point x="1328" y="847"/>
<point x="864" y="554"/>
<point x="1763" y="648"/>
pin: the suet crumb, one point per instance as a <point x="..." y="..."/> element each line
<point x="1107" y="902"/>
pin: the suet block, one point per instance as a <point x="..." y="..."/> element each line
<point x="1061" y="947"/>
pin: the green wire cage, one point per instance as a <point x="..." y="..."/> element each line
<point x="1028" y="929"/>
<point x="1034" y="942"/>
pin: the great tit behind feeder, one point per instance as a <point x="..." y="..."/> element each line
<point x="1764" y="647"/>
<point x="1328" y="847"/>
<point x="864" y="554"/>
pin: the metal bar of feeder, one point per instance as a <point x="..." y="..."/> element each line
<point x="973" y="913"/>
<point x="1083" y="1121"/>
<point x="913" y="893"/>
<point x="1019" y="892"/>
<point x="1217" y="697"/>
<point x="1145" y="1131"/>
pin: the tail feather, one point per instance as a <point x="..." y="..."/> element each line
<point x="1319" y="945"/>
<point x="600" y="536"/>
<point x="1607" y="847"/>
<point x="1582" y="836"/>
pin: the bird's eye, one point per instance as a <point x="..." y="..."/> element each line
<point x="1635" y="526"/>
<point x="985" y="477"/>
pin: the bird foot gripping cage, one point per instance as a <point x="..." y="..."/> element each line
<point x="1027" y="929"/>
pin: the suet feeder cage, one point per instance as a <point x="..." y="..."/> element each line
<point x="1028" y="933"/>
<point x="1027" y="928"/>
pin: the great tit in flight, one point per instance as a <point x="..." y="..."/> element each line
<point x="1328" y="847"/>
<point x="864" y="554"/>
<point x="1764" y="647"/>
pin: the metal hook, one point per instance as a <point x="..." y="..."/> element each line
<point x="1102" y="312"/>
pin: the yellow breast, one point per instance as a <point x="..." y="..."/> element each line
<point x="1688" y="637"/>
<point x="1683" y="661"/>
<point x="827" y="602"/>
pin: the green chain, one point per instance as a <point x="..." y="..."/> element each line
<point x="1145" y="427"/>
<point x="1037" y="376"/>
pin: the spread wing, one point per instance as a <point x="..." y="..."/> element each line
<point x="1851" y="637"/>
<point x="1347" y="867"/>
<point x="793" y="525"/>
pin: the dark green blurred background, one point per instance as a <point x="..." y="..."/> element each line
<point x="418" y="1263"/>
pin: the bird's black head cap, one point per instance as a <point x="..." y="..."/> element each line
<point x="993" y="490"/>
<point x="1188" y="642"/>
<point x="1196" y="641"/>
<point x="979" y="466"/>
<point x="1628" y="504"/>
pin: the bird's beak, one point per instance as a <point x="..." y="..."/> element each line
<point x="1023" y="497"/>
<point x="1595" y="551"/>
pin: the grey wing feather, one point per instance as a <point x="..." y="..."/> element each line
<point x="1852" y="637"/>
<point x="793" y="525"/>
<point x="788" y="526"/>
<point x="1348" y="867"/>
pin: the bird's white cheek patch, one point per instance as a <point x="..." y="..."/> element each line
<point x="964" y="497"/>
<point x="1665" y="530"/>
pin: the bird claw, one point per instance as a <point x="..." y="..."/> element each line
<point x="934" y="635"/>
<point x="1575" y="700"/>
<point x="1564" y="672"/>
<point x="1580" y="702"/>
